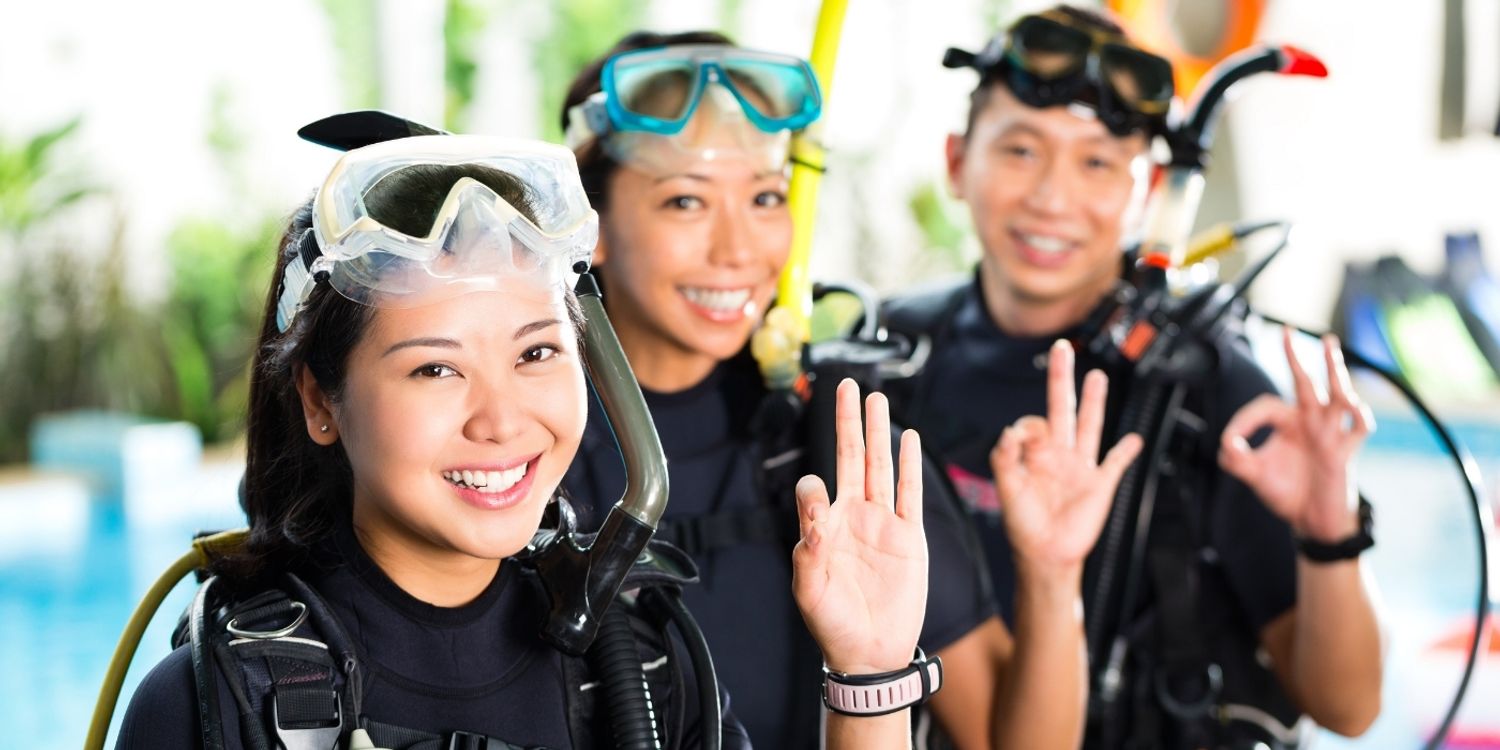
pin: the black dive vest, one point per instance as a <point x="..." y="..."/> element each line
<point x="1191" y="676"/>
<point x="296" y="679"/>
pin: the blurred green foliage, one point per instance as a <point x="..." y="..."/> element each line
<point x="580" y="30"/>
<point x="33" y="186"/>
<point x="66" y="315"/>
<point x="209" y="321"/>
<point x="73" y="336"/>
<point x="944" y="229"/>
<point x="354" y="25"/>
<point x="464" y="22"/>
<point x="72" y="339"/>
<point x="219" y="269"/>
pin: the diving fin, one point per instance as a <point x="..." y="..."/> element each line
<point x="1475" y="293"/>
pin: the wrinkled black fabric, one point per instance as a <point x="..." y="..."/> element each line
<point x="477" y="668"/>
<point x="980" y="380"/>
<point x="744" y="603"/>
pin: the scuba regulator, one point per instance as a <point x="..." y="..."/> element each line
<point x="1164" y="333"/>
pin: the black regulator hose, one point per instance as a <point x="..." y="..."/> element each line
<point x="617" y="663"/>
<point x="1140" y="417"/>
<point x="1479" y="511"/>
<point x="710" y="713"/>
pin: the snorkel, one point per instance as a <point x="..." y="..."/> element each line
<point x="582" y="580"/>
<point x="1165" y="248"/>
<point x="1164" y="332"/>
<point x="777" y="345"/>
<point x="1175" y="202"/>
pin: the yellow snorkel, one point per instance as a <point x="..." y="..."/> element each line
<point x="777" y="344"/>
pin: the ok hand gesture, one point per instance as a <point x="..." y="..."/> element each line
<point x="1303" y="471"/>
<point x="1054" y="491"/>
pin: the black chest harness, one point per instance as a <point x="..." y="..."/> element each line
<point x="1172" y="664"/>
<point x="296" y="679"/>
<point x="777" y="461"/>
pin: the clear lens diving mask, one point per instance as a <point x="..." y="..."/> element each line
<point x="537" y="227"/>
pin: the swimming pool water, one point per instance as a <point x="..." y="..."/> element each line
<point x="66" y="591"/>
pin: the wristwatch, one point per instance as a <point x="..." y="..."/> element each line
<point x="883" y="693"/>
<point x="1346" y="549"/>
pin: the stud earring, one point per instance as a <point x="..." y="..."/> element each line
<point x="324" y="428"/>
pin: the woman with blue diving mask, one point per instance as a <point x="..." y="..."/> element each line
<point x="683" y="144"/>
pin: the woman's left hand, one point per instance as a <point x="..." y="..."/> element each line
<point x="1304" y="470"/>
<point x="860" y="571"/>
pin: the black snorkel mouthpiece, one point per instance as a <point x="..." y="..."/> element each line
<point x="581" y="581"/>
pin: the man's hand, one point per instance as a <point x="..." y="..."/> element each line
<point x="1054" y="491"/>
<point x="1304" y="470"/>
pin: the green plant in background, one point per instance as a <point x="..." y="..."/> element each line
<point x="464" y="22"/>
<point x="216" y="296"/>
<point x="580" y="30"/>
<point x="944" y="233"/>
<point x="72" y="338"/>
<point x="219" y="270"/>
<point x="355" y="25"/>
<point x="33" y="187"/>
<point x="66" y="322"/>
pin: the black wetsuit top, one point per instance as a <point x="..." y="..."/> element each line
<point x="979" y="379"/>
<point x="477" y="668"/>
<point x="744" y="604"/>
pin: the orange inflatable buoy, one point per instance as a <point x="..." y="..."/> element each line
<point x="1152" y="24"/>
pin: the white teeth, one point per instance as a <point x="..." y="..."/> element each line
<point x="487" y="481"/>
<point x="722" y="300"/>
<point x="1046" y="244"/>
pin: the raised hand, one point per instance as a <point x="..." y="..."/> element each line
<point x="860" y="571"/>
<point x="1302" y="471"/>
<point x="1054" y="491"/>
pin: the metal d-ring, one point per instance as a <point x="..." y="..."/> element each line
<point x="265" y="635"/>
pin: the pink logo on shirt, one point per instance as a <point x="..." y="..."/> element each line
<point x="976" y="491"/>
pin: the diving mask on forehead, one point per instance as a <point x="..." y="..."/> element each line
<point x="666" y="108"/>
<point x="542" y="231"/>
<point x="1051" y="58"/>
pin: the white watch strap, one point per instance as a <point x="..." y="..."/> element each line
<point x="902" y="691"/>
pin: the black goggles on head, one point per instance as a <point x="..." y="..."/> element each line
<point x="1047" y="60"/>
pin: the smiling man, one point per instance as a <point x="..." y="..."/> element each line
<point x="1054" y="165"/>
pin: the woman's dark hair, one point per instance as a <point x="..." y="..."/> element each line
<point x="1084" y="18"/>
<point x="296" y="491"/>
<point x="595" y="167"/>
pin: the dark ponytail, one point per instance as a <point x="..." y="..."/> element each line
<point x="295" y="490"/>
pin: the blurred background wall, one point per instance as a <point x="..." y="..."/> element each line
<point x="148" y="160"/>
